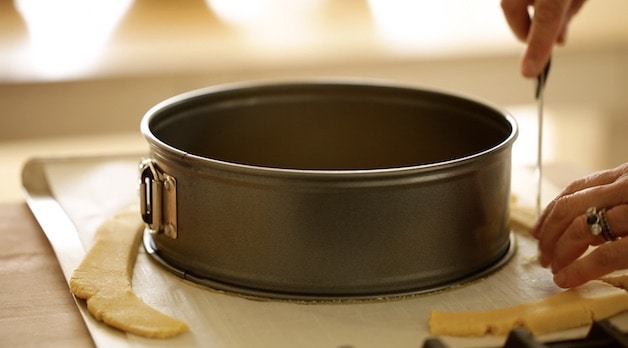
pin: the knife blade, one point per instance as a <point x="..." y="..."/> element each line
<point x="541" y="80"/>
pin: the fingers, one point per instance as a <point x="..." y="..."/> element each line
<point x="516" y="13"/>
<point x="548" y="22"/>
<point x="566" y="210"/>
<point x="547" y="26"/>
<point x="577" y="238"/>
<point x="605" y="189"/>
<point x="579" y="186"/>
<point x="564" y="234"/>
<point x="576" y="5"/>
<point x="605" y="259"/>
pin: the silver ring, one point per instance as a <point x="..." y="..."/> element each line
<point x="607" y="233"/>
<point x="598" y="223"/>
<point x="593" y="220"/>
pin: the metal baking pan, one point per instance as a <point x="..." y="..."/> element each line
<point x="327" y="190"/>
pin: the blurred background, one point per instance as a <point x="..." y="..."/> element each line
<point x="76" y="76"/>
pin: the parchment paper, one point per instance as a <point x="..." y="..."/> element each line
<point x="92" y="190"/>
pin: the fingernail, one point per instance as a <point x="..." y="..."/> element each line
<point x="529" y="68"/>
<point x="536" y="233"/>
<point x="559" y="279"/>
<point x="554" y="268"/>
<point x="543" y="260"/>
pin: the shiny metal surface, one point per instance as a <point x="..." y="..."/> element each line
<point x="333" y="190"/>
<point x="541" y="80"/>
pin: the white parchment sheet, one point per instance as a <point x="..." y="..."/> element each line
<point x="92" y="190"/>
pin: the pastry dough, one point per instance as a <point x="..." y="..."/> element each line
<point x="571" y="308"/>
<point x="104" y="279"/>
<point x="522" y="218"/>
<point x="619" y="279"/>
<point x="580" y="306"/>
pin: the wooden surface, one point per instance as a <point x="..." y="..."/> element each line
<point x="36" y="307"/>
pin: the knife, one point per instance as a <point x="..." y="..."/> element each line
<point x="540" y="88"/>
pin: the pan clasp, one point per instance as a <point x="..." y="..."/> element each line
<point x="158" y="199"/>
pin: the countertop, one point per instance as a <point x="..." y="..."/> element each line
<point x="37" y="308"/>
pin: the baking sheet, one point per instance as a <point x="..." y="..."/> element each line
<point x="71" y="197"/>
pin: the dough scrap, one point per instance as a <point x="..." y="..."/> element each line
<point x="103" y="279"/>
<point x="572" y="308"/>
<point x="619" y="280"/>
<point x="568" y="309"/>
<point x="522" y="218"/>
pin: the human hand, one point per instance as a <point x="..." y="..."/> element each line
<point x="564" y="233"/>
<point x="547" y="27"/>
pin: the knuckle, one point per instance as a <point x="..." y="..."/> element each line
<point x="562" y="208"/>
<point x="575" y="185"/>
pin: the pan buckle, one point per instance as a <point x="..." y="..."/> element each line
<point x="158" y="199"/>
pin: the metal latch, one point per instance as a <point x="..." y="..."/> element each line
<point x="158" y="199"/>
